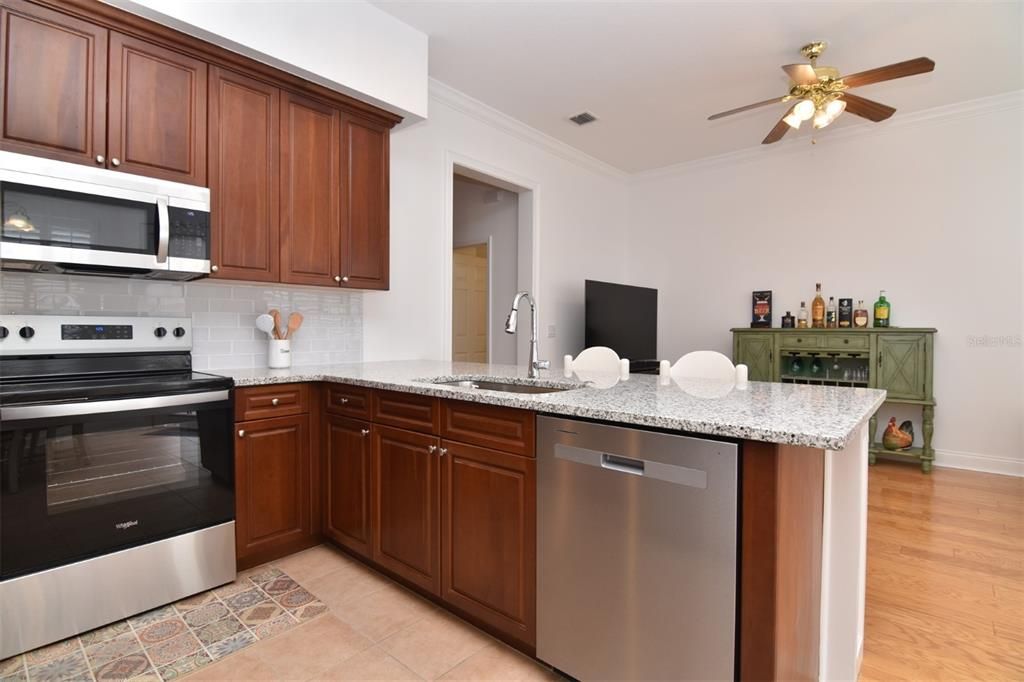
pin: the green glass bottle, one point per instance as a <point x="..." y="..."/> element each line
<point x="882" y="310"/>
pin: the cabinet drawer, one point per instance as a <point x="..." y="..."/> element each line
<point x="851" y="342"/>
<point x="802" y="340"/>
<point x="500" y="428"/>
<point x="406" y="411"/>
<point x="260" y="402"/>
<point x="348" y="401"/>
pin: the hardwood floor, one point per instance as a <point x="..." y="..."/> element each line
<point x="945" y="583"/>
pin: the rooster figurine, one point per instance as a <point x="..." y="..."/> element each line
<point x="898" y="437"/>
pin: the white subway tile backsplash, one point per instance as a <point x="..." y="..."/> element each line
<point x="223" y="314"/>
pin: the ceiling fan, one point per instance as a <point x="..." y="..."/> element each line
<point x="821" y="93"/>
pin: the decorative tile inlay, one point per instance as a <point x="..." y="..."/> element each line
<point x="218" y="630"/>
<point x="173" y="649"/>
<point x="123" y="668"/>
<point x="279" y="586"/>
<point x="104" y="652"/>
<point x="184" y="666"/>
<point x="230" y="645"/>
<point x="206" y="614"/>
<point x="69" y="667"/>
<point x="295" y="599"/>
<point x="172" y="641"/>
<point x="243" y="600"/>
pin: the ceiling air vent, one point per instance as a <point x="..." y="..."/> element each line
<point x="583" y="118"/>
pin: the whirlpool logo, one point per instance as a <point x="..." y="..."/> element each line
<point x="125" y="525"/>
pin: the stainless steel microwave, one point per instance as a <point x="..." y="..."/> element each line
<point x="74" y="219"/>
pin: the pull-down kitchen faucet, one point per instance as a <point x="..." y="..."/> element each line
<point x="535" y="365"/>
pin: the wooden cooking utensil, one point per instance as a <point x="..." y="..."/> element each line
<point x="294" y="322"/>
<point x="276" y="314"/>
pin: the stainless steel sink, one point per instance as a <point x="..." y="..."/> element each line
<point x="506" y="387"/>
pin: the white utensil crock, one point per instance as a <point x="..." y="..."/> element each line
<point x="279" y="353"/>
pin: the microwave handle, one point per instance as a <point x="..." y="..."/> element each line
<point x="164" y="226"/>
<point x="88" y="407"/>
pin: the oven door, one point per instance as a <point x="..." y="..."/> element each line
<point x="78" y="480"/>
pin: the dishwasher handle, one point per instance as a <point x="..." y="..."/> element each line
<point x="625" y="465"/>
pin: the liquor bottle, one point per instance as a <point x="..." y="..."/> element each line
<point x="860" y="315"/>
<point x="801" y="316"/>
<point x="831" y="316"/>
<point x="845" y="312"/>
<point x="818" y="309"/>
<point x="882" y="310"/>
<point x="787" y="320"/>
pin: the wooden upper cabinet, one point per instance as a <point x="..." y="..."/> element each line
<point x="310" y="191"/>
<point x="406" y="506"/>
<point x="157" y="111"/>
<point x="244" y="164"/>
<point x="54" y="79"/>
<point x="365" y="222"/>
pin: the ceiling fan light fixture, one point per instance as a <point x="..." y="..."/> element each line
<point x="793" y="120"/>
<point x="804" y="109"/>
<point x="829" y="113"/>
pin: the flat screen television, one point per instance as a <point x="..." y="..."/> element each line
<point x="622" y="317"/>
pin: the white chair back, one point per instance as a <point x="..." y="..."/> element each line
<point x="596" y="359"/>
<point x="704" y="364"/>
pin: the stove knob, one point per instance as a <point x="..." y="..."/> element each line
<point x="26" y="332"/>
<point x="160" y="332"/>
<point x="179" y="332"/>
<point x="3" y="332"/>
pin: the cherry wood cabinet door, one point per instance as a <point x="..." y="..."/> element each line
<point x="157" y="111"/>
<point x="406" y="511"/>
<point x="272" y="487"/>
<point x="348" y="460"/>
<point x="489" y="531"/>
<point x="310" y="192"/>
<point x="365" y="222"/>
<point x="244" y="175"/>
<point x="54" y="79"/>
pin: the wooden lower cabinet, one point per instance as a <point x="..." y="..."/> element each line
<point x="347" y="449"/>
<point x="273" y="488"/>
<point x="488" y="537"/>
<point x="406" y="508"/>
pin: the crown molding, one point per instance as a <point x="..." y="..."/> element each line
<point x="942" y="114"/>
<point x="474" y="108"/>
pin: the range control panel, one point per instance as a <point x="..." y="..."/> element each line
<point x="62" y="334"/>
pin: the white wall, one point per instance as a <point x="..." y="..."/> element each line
<point x="349" y="46"/>
<point x="580" y="214"/>
<point x="223" y="313"/>
<point x="931" y="211"/>
<point x="487" y="215"/>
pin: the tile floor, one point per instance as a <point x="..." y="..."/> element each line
<point x="316" y="615"/>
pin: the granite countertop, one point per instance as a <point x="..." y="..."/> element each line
<point x="812" y="416"/>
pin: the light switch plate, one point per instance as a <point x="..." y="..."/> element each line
<point x="551" y="331"/>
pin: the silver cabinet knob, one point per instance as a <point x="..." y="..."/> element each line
<point x="337" y="278"/>
<point x="342" y="400"/>
<point x="345" y="278"/>
<point x="443" y="451"/>
<point x="214" y="268"/>
<point x="365" y="432"/>
<point x="431" y="449"/>
<point x="241" y="433"/>
<point x="115" y="162"/>
<point x="274" y="402"/>
<point x="100" y="159"/>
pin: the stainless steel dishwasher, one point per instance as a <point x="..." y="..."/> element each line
<point x="636" y="553"/>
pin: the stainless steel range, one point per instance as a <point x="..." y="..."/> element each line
<point x="116" y="473"/>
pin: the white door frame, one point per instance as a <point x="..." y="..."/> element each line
<point x="528" y="193"/>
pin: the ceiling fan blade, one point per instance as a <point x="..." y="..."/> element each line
<point x="746" y="108"/>
<point x="801" y="74"/>
<point x="866" y="108"/>
<point x="911" y="67"/>
<point x="780" y="129"/>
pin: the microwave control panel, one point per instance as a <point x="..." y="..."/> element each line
<point x="190" y="233"/>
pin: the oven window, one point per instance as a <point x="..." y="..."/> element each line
<point x="49" y="217"/>
<point x="75" y="489"/>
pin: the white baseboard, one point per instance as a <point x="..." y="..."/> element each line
<point x="978" y="462"/>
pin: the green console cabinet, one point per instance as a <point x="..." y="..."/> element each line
<point x="899" y="360"/>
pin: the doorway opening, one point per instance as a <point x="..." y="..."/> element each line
<point x="492" y="259"/>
